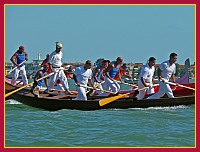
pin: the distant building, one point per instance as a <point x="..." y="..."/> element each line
<point x="35" y="65"/>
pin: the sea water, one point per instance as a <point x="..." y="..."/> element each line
<point x="26" y="126"/>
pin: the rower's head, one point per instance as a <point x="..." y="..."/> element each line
<point x="124" y="66"/>
<point x="47" y="56"/>
<point x="88" y="64"/>
<point x="105" y="63"/>
<point x="173" y="58"/>
<point x="70" y="69"/>
<point x="152" y="61"/>
<point x="119" y="60"/>
<point x="45" y="66"/>
<point x="58" y="46"/>
<point x="21" y="49"/>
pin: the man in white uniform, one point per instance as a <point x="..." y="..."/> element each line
<point x="166" y="71"/>
<point x="81" y="76"/>
<point x="55" y="65"/>
<point x="146" y="78"/>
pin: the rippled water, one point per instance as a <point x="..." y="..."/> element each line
<point x="168" y="127"/>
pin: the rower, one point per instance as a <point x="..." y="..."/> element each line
<point x="122" y="71"/>
<point x="98" y="76"/>
<point x="146" y="79"/>
<point x="37" y="85"/>
<point x="55" y="65"/>
<point x="166" y="71"/>
<point x="83" y="75"/>
<point x="17" y="59"/>
<point x="45" y="61"/>
<point x="111" y="71"/>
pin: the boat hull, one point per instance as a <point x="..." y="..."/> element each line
<point x="52" y="104"/>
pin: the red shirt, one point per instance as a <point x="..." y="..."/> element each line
<point x="45" y="61"/>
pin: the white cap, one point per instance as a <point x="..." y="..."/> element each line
<point x="58" y="45"/>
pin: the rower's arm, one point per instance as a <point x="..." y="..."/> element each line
<point x="71" y="77"/>
<point x="43" y="62"/>
<point x="12" y="59"/>
<point x="26" y="57"/>
<point x="159" y="75"/>
<point x="37" y="76"/>
<point x="46" y="80"/>
<point x="95" y="74"/>
<point x="153" y="80"/>
<point x="127" y="75"/>
<point x="110" y="67"/>
<point x="173" y="78"/>
<point x="119" y="76"/>
<point x="143" y="82"/>
<point x="75" y="79"/>
<point x="50" y="66"/>
<point x="91" y="83"/>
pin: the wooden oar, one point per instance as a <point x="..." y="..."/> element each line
<point x="181" y="85"/>
<point x="95" y="89"/>
<point x="133" y="85"/>
<point x="8" y="94"/>
<point x="14" y="68"/>
<point x="105" y="101"/>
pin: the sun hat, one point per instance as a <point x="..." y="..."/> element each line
<point x="59" y="45"/>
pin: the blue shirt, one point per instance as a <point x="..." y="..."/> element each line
<point x="40" y="82"/>
<point x="20" y="58"/>
<point x="114" y="70"/>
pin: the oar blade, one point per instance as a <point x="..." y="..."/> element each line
<point x="105" y="101"/>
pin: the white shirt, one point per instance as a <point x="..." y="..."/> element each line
<point x="147" y="73"/>
<point x="83" y="75"/>
<point x="55" y="59"/>
<point x="167" y="69"/>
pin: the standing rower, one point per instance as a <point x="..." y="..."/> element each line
<point x="55" y="65"/>
<point x="19" y="57"/>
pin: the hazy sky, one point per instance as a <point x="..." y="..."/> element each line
<point x="90" y="32"/>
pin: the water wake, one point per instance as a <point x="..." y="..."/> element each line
<point x="11" y="101"/>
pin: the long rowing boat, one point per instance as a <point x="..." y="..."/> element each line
<point x="53" y="102"/>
